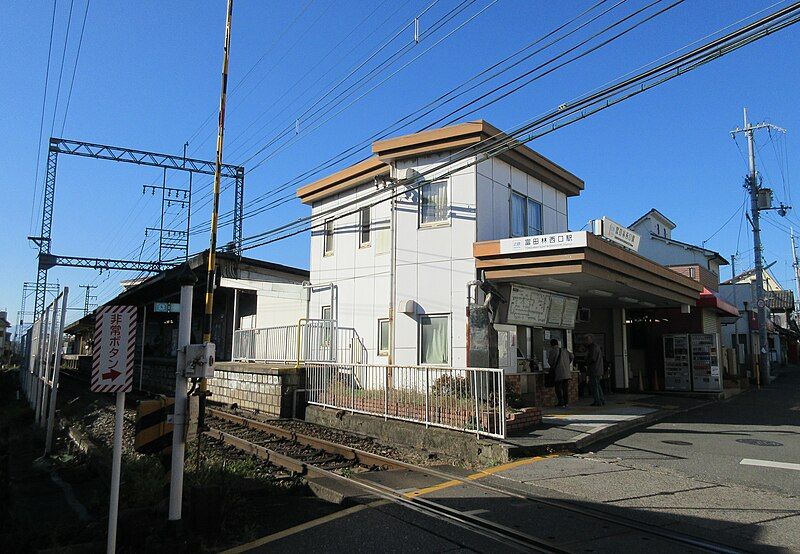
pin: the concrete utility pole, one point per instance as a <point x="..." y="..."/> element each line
<point x="736" y="322"/>
<point x="754" y="188"/>
<point x="796" y="267"/>
<point x="212" y="250"/>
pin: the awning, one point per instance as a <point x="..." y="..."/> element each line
<point x="709" y="299"/>
<point x="581" y="264"/>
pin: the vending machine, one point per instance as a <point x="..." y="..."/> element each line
<point x="691" y="362"/>
<point x="705" y="362"/>
<point x="677" y="369"/>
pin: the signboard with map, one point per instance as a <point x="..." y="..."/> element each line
<point x="539" y="308"/>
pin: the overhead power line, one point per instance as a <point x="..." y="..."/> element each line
<point x="41" y="119"/>
<point x="75" y="68"/>
<point x="417" y="115"/>
<point x="567" y="114"/>
<point x="543" y="65"/>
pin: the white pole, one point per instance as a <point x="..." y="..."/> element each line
<point x="37" y="392"/>
<point x="116" y="465"/>
<point x="51" y="415"/>
<point x="52" y="342"/>
<point x="179" y="419"/>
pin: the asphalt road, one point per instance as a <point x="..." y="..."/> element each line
<point x="710" y="443"/>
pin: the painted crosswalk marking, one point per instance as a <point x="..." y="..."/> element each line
<point x="769" y="463"/>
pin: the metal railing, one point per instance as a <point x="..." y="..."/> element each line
<point x="465" y="399"/>
<point x="311" y="340"/>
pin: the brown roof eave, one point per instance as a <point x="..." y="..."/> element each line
<point x="344" y="179"/>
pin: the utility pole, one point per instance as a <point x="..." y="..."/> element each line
<point x="736" y="322"/>
<point x="796" y="273"/>
<point x="88" y="297"/>
<point x="753" y="186"/>
<point x="212" y="250"/>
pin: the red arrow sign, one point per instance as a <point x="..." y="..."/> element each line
<point x="112" y="374"/>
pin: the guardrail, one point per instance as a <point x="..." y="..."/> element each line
<point x="465" y="399"/>
<point x="311" y="340"/>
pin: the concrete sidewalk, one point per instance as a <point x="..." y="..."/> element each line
<point x="580" y="425"/>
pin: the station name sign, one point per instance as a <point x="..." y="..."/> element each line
<point x="536" y="243"/>
<point x="620" y="234"/>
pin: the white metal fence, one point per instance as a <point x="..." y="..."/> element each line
<point x="311" y="340"/>
<point x="40" y="379"/>
<point x="465" y="399"/>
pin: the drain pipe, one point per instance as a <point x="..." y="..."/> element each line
<point x="474" y="283"/>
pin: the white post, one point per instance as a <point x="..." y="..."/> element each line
<point x="51" y="415"/>
<point x="181" y="400"/>
<point x="116" y="465"/>
<point x="52" y="343"/>
<point x="43" y="342"/>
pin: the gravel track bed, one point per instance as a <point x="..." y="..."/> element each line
<point x="306" y="454"/>
<point x="352" y="440"/>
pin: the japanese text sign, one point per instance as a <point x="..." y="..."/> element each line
<point x="114" y="346"/>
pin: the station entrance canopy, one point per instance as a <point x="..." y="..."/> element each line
<point x="581" y="264"/>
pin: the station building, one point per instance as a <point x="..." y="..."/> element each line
<point x="413" y="240"/>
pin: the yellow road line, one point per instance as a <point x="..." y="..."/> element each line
<point x="302" y="527"/>
<point x="479" y="475"/>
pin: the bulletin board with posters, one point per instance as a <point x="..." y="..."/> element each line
<point x="534" y="307"/>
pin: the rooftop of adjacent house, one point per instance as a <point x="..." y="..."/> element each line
<point x="746" y="277"/>
<point x="710" y="254"/>
<point x="228" y="265"/>
<point x="653" y="212"/>
<point x="463" y="137"/>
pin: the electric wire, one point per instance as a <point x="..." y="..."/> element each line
<point x="599" y="101"/>
<point x="405" y="120"/>
<point x="61" y="69"/>
<point x="34" y="203"/>
<point x="607" y="41"/>
<point x="75" y="68"/>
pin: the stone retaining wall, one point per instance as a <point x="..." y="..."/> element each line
<point x="256" y="387"/>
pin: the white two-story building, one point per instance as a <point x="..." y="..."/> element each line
<point x="406" y="241"/>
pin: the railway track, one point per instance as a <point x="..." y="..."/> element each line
<point x="316" y="457"/>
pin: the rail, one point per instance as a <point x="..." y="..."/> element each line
<point x="310" y="340"/>
<point x="464" y="399"/>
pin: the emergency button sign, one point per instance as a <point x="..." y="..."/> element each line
<point x="114" y="347"/>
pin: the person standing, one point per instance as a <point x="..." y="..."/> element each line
<point x="596" y="369"/>
<point x="560" y="362"/>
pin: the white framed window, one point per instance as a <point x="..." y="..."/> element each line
<point x="535" y="226"/>
<point x="383" y="337"/>
<point x="364" y="227"/>
<point x="328" y="238"/>
<point x="433" y="203"/>
<point x="519" y="215"/>
<point x="434" y="339"/>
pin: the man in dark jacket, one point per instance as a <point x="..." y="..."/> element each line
<point x="560" y="362"/>
<point x="596" y="370"/>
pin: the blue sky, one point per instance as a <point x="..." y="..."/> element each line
<point x="148" y="76"/>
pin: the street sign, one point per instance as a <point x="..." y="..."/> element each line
<point x="114" y="346"/>
<point x="167" y="307"/>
